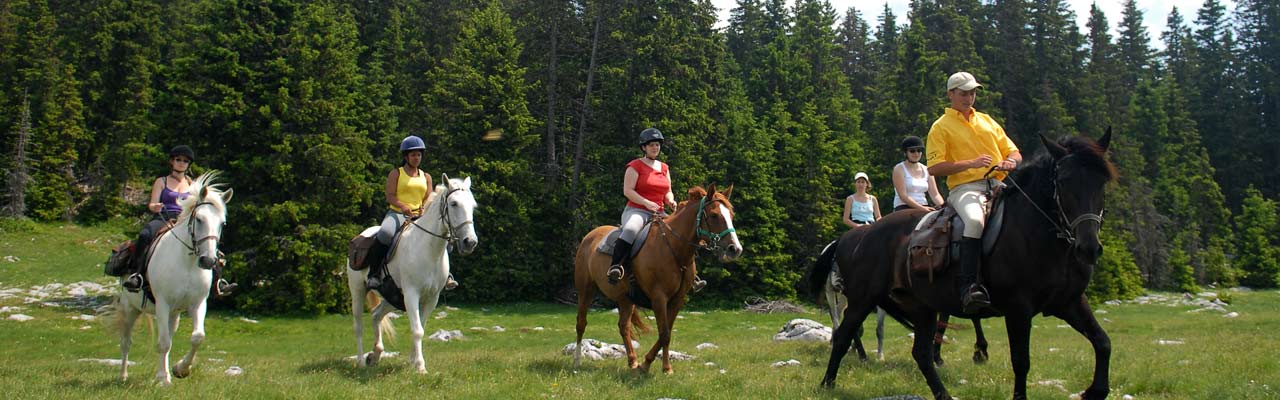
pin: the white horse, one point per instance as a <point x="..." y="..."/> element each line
<point x="180" y="274"/>
<point x="419" y="263"/>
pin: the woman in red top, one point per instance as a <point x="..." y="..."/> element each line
<point x="647" y="186"/>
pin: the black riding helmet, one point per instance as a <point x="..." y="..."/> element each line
<point x="651" y="134"/>
<point x="911" y="142"/>
<point x="182" y="150"/>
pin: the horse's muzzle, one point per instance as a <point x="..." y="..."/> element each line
<point x="730" y="253"/>
<point x="1088" y="253"/>
<point x="468" y="245"/>
<point x="207" y="262"/>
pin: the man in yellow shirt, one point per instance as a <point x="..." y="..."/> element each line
<point x="962" y="145"/>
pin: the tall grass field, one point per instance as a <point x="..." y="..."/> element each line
<point x="1165" y="346"/>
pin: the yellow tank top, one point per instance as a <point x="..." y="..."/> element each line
<point x="410" y="190"/>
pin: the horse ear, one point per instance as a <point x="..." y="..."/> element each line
<point x="711" y="189"/>
<point x="226" y="196"/>
<point x="204" y="191"/>
<point x="444" y="177"/>
<point x="1105" y="142"/>
<point x="466" y="182"/>
<point x="1055" y="149"/>
<point x="727" y="192"/>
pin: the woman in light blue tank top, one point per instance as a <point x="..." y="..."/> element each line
<point x="861" y="208"/>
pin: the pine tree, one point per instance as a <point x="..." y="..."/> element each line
<point x="1134" y="47"/>
<point x="478" y="88"/>
<point x="1260" y="38"/>
<point x="1258" y="230"/>
<point x="856" y="58"/>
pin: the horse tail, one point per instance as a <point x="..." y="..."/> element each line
<point x="112" y="318"/>
<point x="637" y="324"/>
<point x="387" y="330"/>
<point x="816" y="277"/>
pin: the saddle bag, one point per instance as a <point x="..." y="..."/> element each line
<point x="358" y="250"/>
<point x="118" y="263"/>
<point x="927" y="247"/>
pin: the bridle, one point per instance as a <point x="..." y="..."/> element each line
<point x="191" y="230"/>
<point x="449" y="235"/>
<point x="712" y="243"/>
<point x="1065" y="233"/>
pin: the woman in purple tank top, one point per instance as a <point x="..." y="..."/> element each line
<point x="166" y="191"/>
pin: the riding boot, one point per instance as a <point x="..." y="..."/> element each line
<point x="973" y="296"/>
<point x="698" y="283"/>
<point x="374" y="261"/>
<point x="135" y="280"/>
<point x="450" y="283"/>
<point x="621" y="249"/>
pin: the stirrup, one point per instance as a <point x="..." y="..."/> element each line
<point x="698" y="284"/>
<point x="450" y="283"/>
<point x="615" y="273"/>
<point x="133" y="283"/>
<point x="224" y="288"/>
<point x="975" y="299"/>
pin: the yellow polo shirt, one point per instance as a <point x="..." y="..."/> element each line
<point x="953" y="138"/>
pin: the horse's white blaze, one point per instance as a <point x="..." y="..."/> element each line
<point x="176" y="279"/>
<point x="728" y="220"/>
<point x="420" y="266"/>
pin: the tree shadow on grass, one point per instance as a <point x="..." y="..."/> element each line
<point x="345" y="368"/>
<point x="559" y="366"/>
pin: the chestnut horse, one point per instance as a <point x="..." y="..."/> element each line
<point x="1041" y="263"/>
<point x="663" y="268"/>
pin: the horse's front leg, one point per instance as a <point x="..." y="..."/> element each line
<point x="183" y="369"/>
<point x="1018" y="326"/>
<point x="664" y="334"/>
<point x="624" y="329"/>
<point x="126" y="336"/>
<point x="1080" y="316"/>
<point x="166" y="325"/>
<point x="944" y="319"/>
<point x="414" y="309"/>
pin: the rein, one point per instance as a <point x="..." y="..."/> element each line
<point x="448" y="236"/>
<point x="1060" y="231"/>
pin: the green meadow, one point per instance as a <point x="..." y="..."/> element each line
<point x="1164" y="349"/>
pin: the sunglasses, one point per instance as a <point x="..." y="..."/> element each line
<point x="182" y="160"/>
<point x="916" y="150"/>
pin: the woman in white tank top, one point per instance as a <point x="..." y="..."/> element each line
<point x="913" y="187"/>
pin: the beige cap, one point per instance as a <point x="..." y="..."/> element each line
<point x="862" y="175"/>
<point x="963" y="81"/>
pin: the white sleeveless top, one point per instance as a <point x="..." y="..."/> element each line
<point x="917" y="188"/>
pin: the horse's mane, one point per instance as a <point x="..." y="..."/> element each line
<point x="208" y="180"/>
<point x="1090" y="155"/>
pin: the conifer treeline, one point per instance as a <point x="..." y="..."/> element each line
<point x="303" y="103"/>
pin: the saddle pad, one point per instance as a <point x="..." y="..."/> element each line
<point x="606" y="246"/>
<point x="989" y="233"/>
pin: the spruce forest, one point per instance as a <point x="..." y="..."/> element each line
<point x="303" y="105"/>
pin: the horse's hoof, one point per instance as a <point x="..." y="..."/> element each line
<point x="938" y="361"/>
<point x="668" y="371"/>
<point x="828" y="384"/>
<point x="979" y="357"/>
<point x="370" y="359"/>
<point x="180" y="373"/>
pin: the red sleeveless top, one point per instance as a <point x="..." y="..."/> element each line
<point x="652" y="184"/>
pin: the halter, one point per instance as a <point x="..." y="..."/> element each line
<point x="191" y="230"/>
<point x="448" y="236"/>
<point x="1061" y="232"/>
<point x="713" y="237"/>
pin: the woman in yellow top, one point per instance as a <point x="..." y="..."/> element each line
<point x="406" y="190"/>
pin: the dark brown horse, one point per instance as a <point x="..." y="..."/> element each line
<point x="1042" y="262"/>
<point x="663" y="268"/>
<point x="840" y="255"/>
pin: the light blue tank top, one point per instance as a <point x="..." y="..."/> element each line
<point x="861" y="210"/>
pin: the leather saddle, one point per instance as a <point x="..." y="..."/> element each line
<point x="934" y="245"/>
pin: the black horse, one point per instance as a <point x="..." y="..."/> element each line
<point x="840" y="255"/>
<point x="1042" y="262"/>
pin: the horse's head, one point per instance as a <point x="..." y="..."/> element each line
<point x="715" y="221"/>
<point x="458" y="206"/>
<point x="205" y="214"/>
<point x="1081" y="173"/>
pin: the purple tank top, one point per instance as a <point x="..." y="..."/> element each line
<point x="170" y="198"/>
